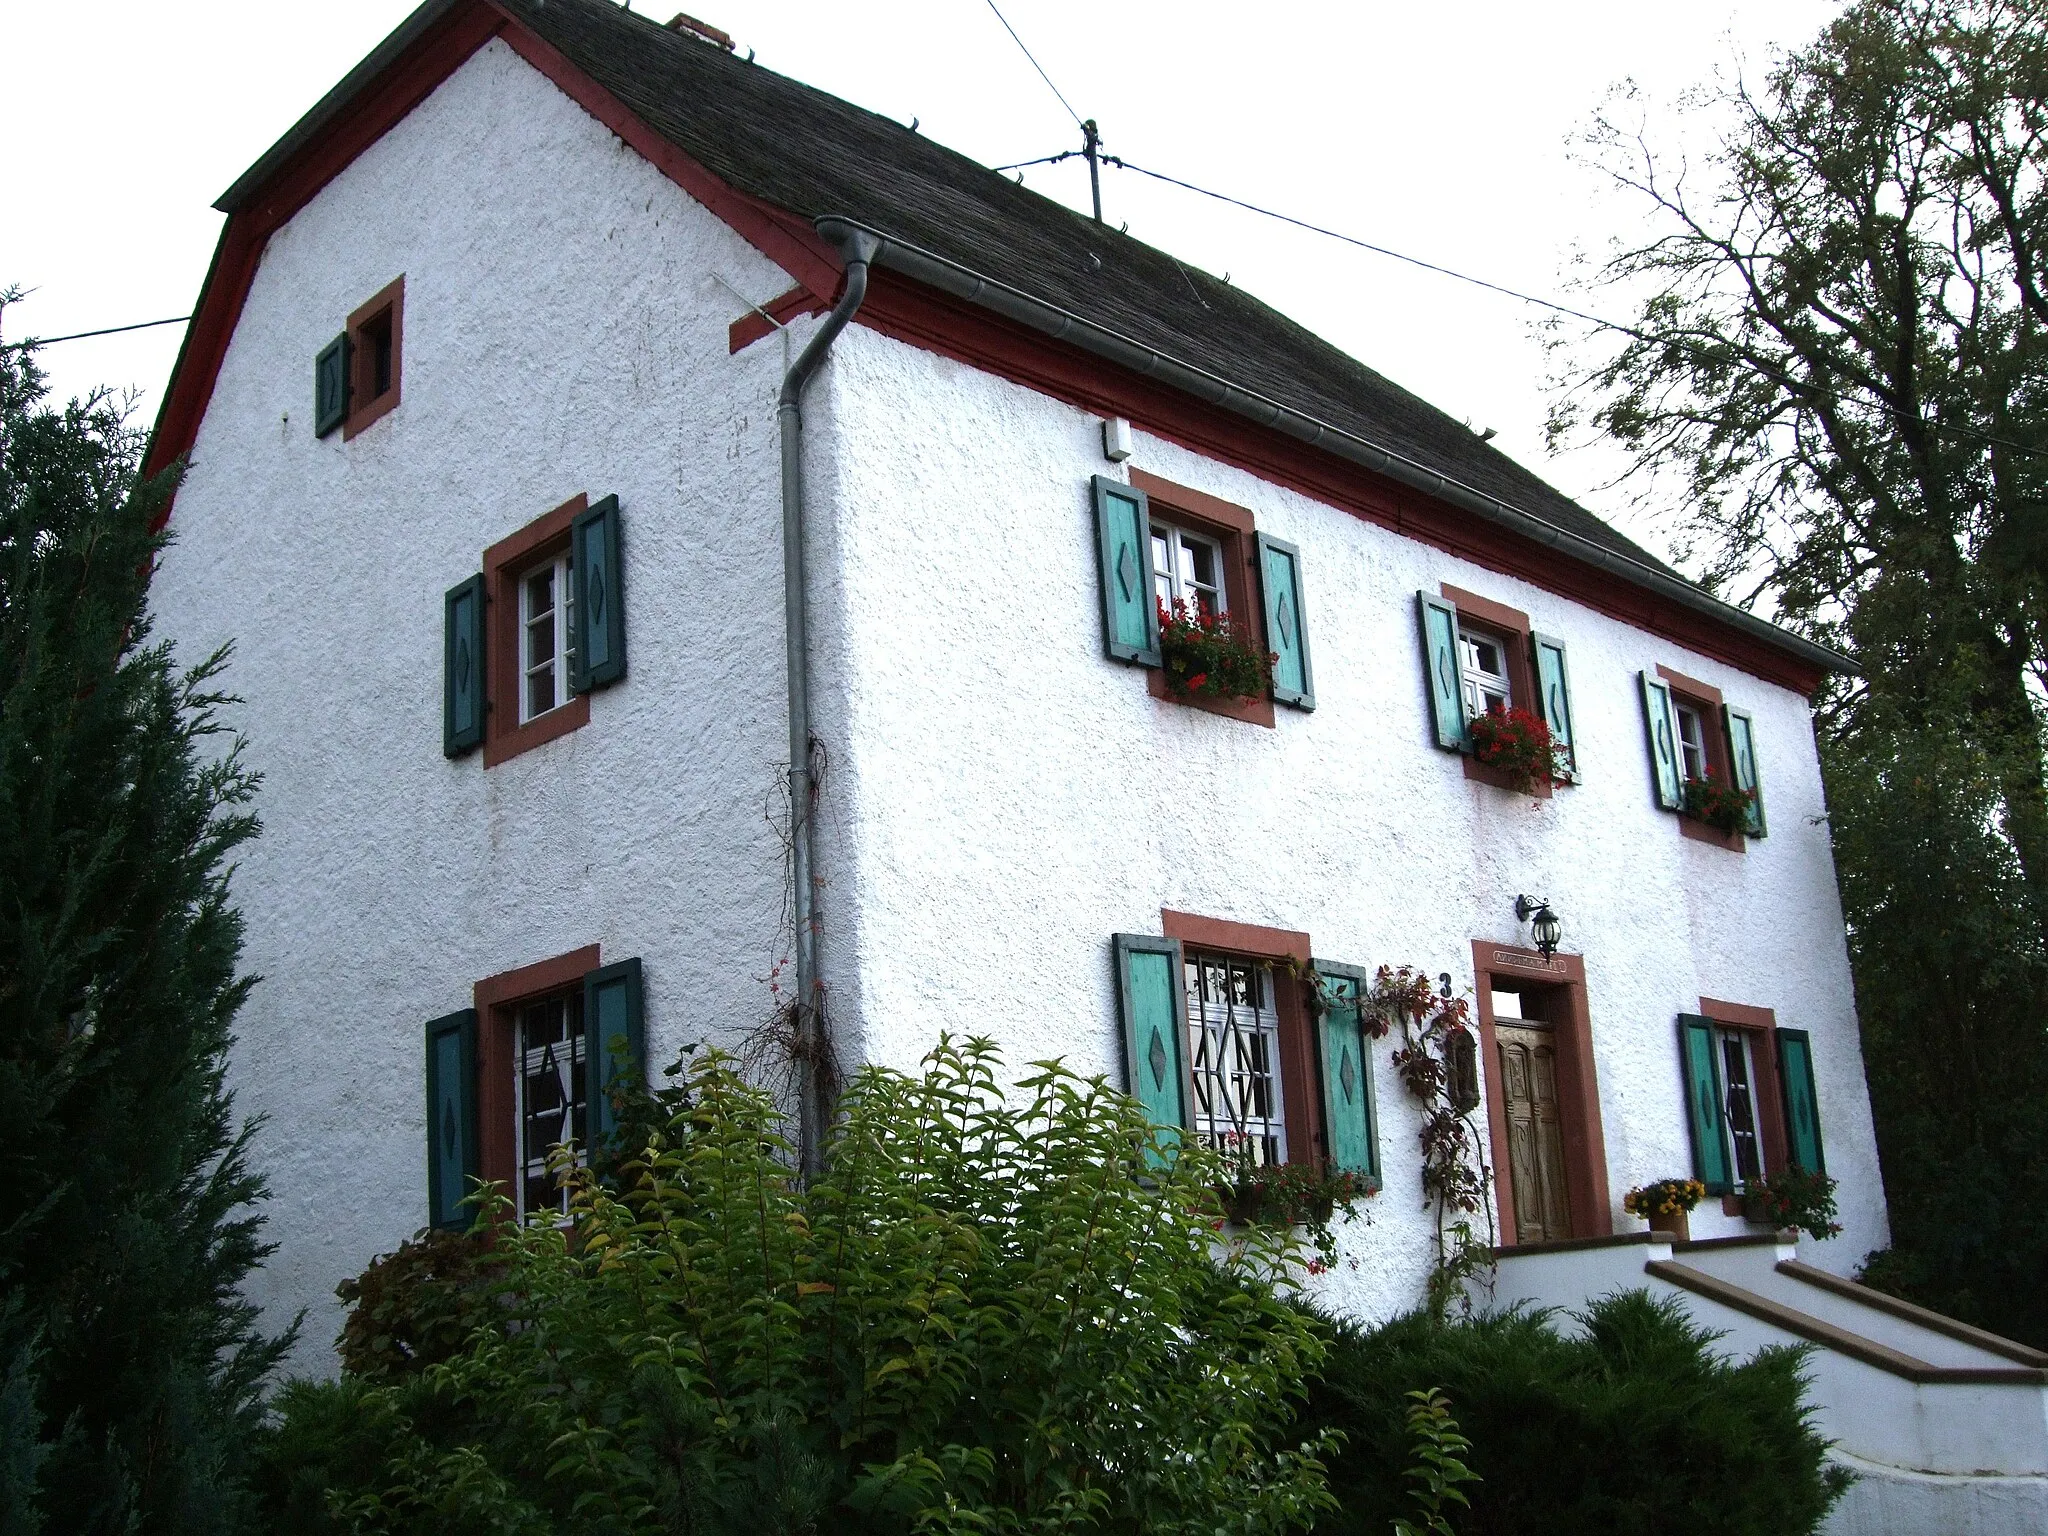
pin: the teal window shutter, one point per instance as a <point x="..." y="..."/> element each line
<point x="1151" y="999"/>
<point x="454" y="1162"/>
<point x="1802" y="1106"/>
<point x="597" y="623"/>
<point x="1703" y="1104"/>
<point x="1555" y="679"/>
<point x="1742" y="753"/>
<point x="1123" y="541"/>
<point x="330" y="385"/>
<point x="1286" y="625"/>
<point x="1350" y="1110"/>
<point x="1662" y="733"/>
<point x="1443" y="670"/>
<point x="462" y="668"/>
<point x="614" y="1040"/>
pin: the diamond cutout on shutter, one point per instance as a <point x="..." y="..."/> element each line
<point x="1347" y="1077"/>
<point x="448" y="1128"/>
<point x="596" y="594"/>
<point x="1287" y="620"/>
<point x="1126" y="573"/>
<point x="1156" y="1059"/>
<point x="463" y="672"/>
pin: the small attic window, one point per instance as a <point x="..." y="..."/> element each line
<point x="376" y="335"/>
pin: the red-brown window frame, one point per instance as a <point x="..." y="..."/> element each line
<point x="496" y="1000"/>
<point x="1299" y="1085"/>
<point x="1578" y="1086"/>
<point x="1232" y="528"/>
<point x="1768" y="1091"/>
<point x="364" y="404"/>
<point x="505" y="736"/>
<point x="1706" y="700"/>
<point x="1513" y="626"/>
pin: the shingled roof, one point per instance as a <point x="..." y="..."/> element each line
<point x="801" y="150"/>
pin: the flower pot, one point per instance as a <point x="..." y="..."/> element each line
<point x="1241" y="1205"/>
<point x="1679" y="1225"/>
<point x="1756" y="1209"/>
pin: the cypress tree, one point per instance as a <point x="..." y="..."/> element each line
<point x="130" y="1365"/>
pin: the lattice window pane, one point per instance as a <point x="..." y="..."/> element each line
<point x="1738" y="1072"/>
<point x="1234" y="1040"/>
<point x="549" y="1061"/>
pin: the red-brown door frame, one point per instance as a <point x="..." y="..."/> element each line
<point x="1578" y="1089"/>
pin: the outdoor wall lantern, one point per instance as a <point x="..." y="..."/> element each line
<point x="1543" y="924"/>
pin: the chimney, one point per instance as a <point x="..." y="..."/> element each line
<point x="703" y="31"/>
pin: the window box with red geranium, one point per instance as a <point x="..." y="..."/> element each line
<point x="1211" y="655"/>
<point x="1518" y="743"/>
<point x="1723" y="806"/>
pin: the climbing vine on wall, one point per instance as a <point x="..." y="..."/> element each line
<point x="1438" y="1063"/>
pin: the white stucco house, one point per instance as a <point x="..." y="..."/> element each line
<point x="519" y="354"/>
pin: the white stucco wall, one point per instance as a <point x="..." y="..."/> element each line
<point x="1006" y="798"/>
<point x="563" y="333"/>
<point x="1000" y="797"/>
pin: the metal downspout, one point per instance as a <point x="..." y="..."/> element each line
<point x="813" y="1112"/>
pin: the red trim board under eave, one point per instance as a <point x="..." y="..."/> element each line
<point x="910" y="312"/>
<point x="437" y="55"/>
<point x="921" y="316"/>
<point x="784" y="238"/>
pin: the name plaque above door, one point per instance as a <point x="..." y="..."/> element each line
<point x="1527" y="962"/>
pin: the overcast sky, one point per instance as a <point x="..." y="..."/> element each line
<point x="1438" y="130"/>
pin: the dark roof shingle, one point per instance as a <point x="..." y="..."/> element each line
<point x="813" y="154"/>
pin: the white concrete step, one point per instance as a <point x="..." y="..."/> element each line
<point x="1879" y="1401"/>
<point x="1772" y="1269"/>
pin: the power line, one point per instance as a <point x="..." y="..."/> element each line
<point x="112" y="330"/>
<point x="1036" y="65"/>
<point x="1939" y="428"/>
<point x="1364" y="245"/>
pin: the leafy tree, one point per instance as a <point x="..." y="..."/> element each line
<point x="985" y="1315"/>
<point x="129" y="1364"/>
<point x="1628" y="1425"/>
<point x="1841" y="366"/>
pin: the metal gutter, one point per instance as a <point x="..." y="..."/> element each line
<point x="814" y="1112"/>
<point x="1063" y="325"/>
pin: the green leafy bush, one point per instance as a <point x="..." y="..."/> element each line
<point x="990" y="1313"/>
<point x="418" y="1306"/>
<point x="1633" y="1428"/>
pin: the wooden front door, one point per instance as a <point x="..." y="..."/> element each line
<point x="1528" y="1084"/>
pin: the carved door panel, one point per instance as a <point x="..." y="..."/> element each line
<point x="1528" y="1079"/>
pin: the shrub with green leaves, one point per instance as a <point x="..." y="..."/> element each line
<point x="1633" y="1427"/>
<point x="992" y="1313"/>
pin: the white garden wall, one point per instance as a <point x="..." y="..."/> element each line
<point x="1006" y="797"/>
<point x="564" y="332"/>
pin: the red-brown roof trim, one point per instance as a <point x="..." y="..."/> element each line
<point x="443" y="34"/>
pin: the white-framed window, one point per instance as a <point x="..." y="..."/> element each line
<point x="547" y="1062"/>
<point x="1483" y="662"/>
<point x="1234" y="1035"/>
<point x="1736" y="1049"/>
<point x="545" y="595"/>
<point x="1187" y="568"/>
<point x="1692" y="740"/>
